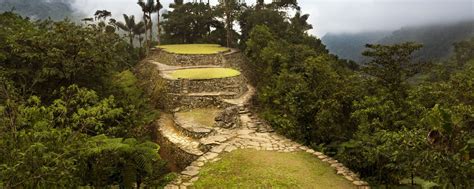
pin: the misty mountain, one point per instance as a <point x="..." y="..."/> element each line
<point x="39" y="9"/>
<point x="437" y="40"/>
<point x="350" y="45"/>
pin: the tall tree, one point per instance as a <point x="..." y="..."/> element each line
<point x="158" y="7"/>
<point x="149" y="7"/>
<point x="128" y="26"/>
<point x="392" y="65"/>
<point x="229" y="7"/>
<point x="144" y="7"/>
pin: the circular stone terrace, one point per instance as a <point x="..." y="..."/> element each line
<point x="196" y="49"/>
<point x="201" y="73"/>
<point x="193" y="136"/>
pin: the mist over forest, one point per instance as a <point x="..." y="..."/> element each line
<point x="232" y="94"/>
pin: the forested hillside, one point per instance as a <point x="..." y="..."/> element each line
<point x="74" y="114"/>
<point x="437" y="40"/>
<point x="38" y="9"/>
<point x="351" y="45"/>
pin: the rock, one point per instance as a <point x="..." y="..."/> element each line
<point x="214" y="140"/>
<point x="321" y="157"/>
<point x="310" y="151"/>
<point x="210" y="155"/>
<point x="216" y="159"/>
<point x="194" y="179"/>
<point x="251" y="143"/>
<point x="304" y="148"/>
<point x="360" y="183"/>
<point x="349" y="178"/>
<point x="245" y="132"/>
<point x="187" y="184"/>
<point x="190" y="173"/>
<point x="218" y="149"/>
<point x="192" y="168"/>
<point x="229" y="118"/>
<point x="171" y="186"/>
<point x="230" y="148"/>
<point x="318" y="153"/>
<point x="335" y="165"/>
<point x="198" y="163"/>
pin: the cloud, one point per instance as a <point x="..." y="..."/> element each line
<point x="337" y="16"/>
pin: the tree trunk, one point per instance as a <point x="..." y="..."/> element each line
<point x="228" y="23"/>
<point x="146" y="33"/>
<point x="131" y="38"/>
<point x="151" y="31"/>
<point x="158" y="29"/>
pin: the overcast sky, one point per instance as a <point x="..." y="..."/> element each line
<point x="339" y="16"/>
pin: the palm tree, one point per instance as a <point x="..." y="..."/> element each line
<point x="144" y="7"/>
<point x="149" y="7"/>
<point x="128" y="26"/>
<point x="102" y="14"/>
<point x="139" y="30"/>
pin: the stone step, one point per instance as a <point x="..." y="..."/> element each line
<point x="243" y="99"/>
<point x="168" y="130"/>
<point x="211" y="94"/>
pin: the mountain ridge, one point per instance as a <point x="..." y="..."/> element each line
<point x="437" y="40"/>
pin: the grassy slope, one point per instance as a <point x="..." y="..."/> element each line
<point x="204" y="73"/>
<point x="265" y="169"/>
<point x="194" y="48"/>
<point x="202" y="116"/>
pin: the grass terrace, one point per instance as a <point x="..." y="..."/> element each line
<point x="204" y="73"/>
<point x="194" y="48"/>
<point x="201" y="116"/>
<point x="266" y="169"/>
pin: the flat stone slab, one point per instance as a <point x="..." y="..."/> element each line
<point x="190" y="173"/>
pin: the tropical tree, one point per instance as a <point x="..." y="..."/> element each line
<point x="128" y="26"/>
<point x="158" y="7"/>
<point x="139" y="30"/>
<point x="229" y="8"/>
<point x="102" y="14"/>
<point x="149" y="7"/>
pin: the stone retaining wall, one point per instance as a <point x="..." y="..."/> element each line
<point x="235" y="59"/>
<point x="184" y="102"/>
<point x="175" y="155"/>
<point x="187" y="59"/>
<point x="198" y="132"/>
<point x="231" y="84"/>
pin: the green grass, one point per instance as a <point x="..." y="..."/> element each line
<point x="201" y="116"/>
<point x="266" y="169"/>
<point x="204" y="73"/>
<point x="194" y="48"/>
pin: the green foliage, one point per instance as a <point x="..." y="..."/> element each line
<point x="376" y="121"/>
<point x="304" y="93"/>
<point x="192" y="23"/>
<point x="109" y="161"/>
<point x="41" y="57"/>
<point x="55" y="131"/>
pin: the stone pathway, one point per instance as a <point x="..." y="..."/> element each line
<point x="249" y="136"/>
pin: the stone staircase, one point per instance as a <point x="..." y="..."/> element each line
<point x="188" y="145"/>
